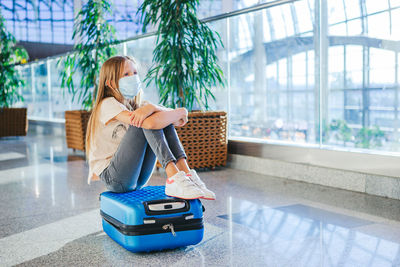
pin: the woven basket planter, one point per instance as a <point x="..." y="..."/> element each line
<point x="13" y="122"/>
<point x="204" y="139"/>
<point x="75" y="128"/>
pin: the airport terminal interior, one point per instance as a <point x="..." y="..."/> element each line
<point x="305" y="128"/>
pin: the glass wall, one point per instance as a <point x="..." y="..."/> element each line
<point x="42" y="93"/>
<point x="271" y="58"/>
<point x="311" y="73"/>
<point x="51" y="21"/>
<point x="319" y="73"/>
<point x="360" y="93"/>
<point x="46" y="21"/>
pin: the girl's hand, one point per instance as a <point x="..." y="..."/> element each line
<point x="139" y="115"/>
<point x="183" y="120"/>
<point x="180" y="123"/>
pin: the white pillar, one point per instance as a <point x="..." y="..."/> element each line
<point x="260" y="63"/>
<point x="77" y="8"/>
<point x="321" y="45"/>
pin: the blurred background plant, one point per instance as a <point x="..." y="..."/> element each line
<point x="95" y="37"/>
<point x="363" y="138"/>
<point x="369" y="137"/>
<point x="10" y="55"/>
<point x="340" y="131"/>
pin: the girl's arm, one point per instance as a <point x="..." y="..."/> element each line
<point x="156" y="107"/>
<point x="157" y="120"/>
<point x="161" y="119"/>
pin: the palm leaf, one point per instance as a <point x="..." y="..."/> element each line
<point x="182" y="41"/>
<point x="98" y="37"/>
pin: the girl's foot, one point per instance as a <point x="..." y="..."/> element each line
<point x="180" y="186"/>
<point x="208" y="194"/>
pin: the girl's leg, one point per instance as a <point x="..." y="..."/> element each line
<point x="149" y="162"/>
<point x="176" y="148"/>
<point x="125" y="168"/>
<point x="126" y="165"/>
<point x="148" y="165"/>
<point x="177" y="184"/>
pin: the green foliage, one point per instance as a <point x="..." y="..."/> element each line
<point x="342" y="130"/>
<point x="94" y="47"/>
<point x="365" y="137"/>
<point x="184" y="60"/>
<point x="10" y="55"/>
<point x="369" y="137"/>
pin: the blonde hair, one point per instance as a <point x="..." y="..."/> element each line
<point x="111" y="71"/>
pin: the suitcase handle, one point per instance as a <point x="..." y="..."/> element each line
<point x="166" y="206"/>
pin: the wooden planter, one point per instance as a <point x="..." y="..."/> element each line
<point x="204" y="139"/>
<point x="13" y="122"/>
<point x="75" y="128"/>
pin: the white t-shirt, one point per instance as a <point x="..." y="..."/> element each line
<point x="108" y="135"/>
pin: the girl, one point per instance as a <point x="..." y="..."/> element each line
<point x="125" y="136"/>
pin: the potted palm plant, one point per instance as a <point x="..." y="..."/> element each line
<point x="184" y="70"/>
<point x="13" y="121"/>
<point x="95" y="37"/>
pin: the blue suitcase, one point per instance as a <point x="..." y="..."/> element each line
<point x="147" y="219"/>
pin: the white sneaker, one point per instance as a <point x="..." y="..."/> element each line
<point x="181" y="186"/>
<point x="208" y="194"/>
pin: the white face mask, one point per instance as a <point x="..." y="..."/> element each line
<point x="130" y="85"/>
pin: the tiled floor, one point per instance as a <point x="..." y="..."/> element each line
<point x="50" y="216"/>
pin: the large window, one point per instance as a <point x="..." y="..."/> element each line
<point x="338" y="88"/>
<point x="45" y="21"/>
<point x="361" y="94"/>
<point x="311" y="73"/>
<point x="272" y="74"/>
<point x="51" y="21"/>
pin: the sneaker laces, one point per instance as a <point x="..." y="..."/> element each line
<point x="186" y="182"/>
<point x="196" y="179"/>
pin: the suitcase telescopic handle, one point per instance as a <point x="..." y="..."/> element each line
<point x="167" y="206"/>
<point x="159" y="207"/>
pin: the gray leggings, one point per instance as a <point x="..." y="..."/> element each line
<point x="134" y="161"/>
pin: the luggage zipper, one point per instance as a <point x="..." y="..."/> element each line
<point x="185" y="222"/>
<point x="171" y="227"/>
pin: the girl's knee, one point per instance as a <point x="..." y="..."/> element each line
<point x="116" y="187"/>
<point x="134" y="128"/>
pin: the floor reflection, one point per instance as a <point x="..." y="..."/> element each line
<point x="310" y="235"/>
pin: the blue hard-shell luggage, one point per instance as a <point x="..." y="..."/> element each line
<point x="147" y="219"/>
